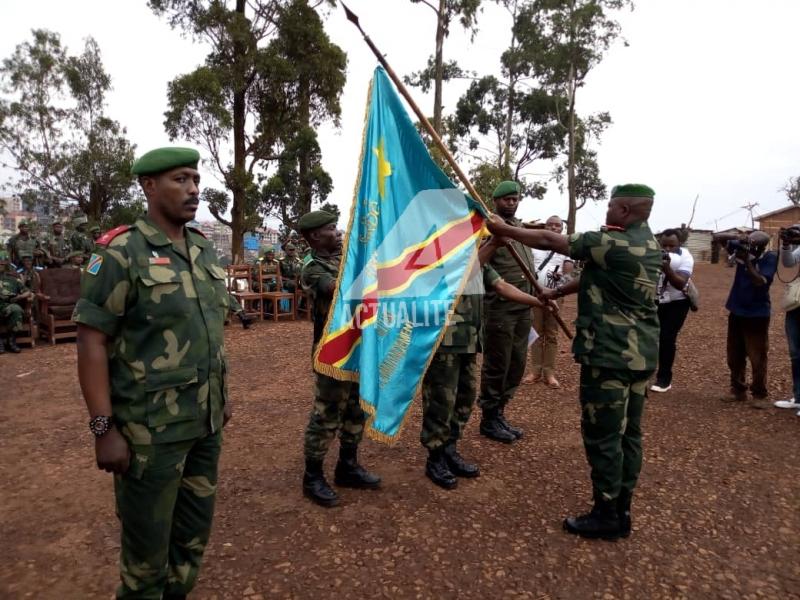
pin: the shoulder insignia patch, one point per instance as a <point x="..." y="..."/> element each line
<point x="95" y="262"/>
<point x="106" y="238"/>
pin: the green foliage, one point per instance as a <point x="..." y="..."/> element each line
<point x="54" y="130"/>
<point x="271" y="78"/>
<point x="561" y="41"/>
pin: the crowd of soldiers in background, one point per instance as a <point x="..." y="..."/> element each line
<point x="26" y="254"/>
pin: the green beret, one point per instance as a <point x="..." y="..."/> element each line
<point x="163" y="159"/>
<point x="289" y="246"/>
<point x="315" y="219"/>
<point x="506" y="188"/>
<point x="632" y="190"/>
<point x="25" y="255"/>
<point x="23" y="223"/>
<point x="94" y="228"/>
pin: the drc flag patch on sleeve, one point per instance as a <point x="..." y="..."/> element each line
<point x="95" y="262"/>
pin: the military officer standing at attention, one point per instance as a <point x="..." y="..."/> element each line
<point x="56" y="245"/>
<point x="449" y="385"/>
<point x="79" y="240"/>
<point x="336" y="403"/>
<point x="616" y="344"/>
<point x="290" y="266"/>
<point x="506" y="328"/>
<point x="152" y="368"/>
<point x="24" y="243"/>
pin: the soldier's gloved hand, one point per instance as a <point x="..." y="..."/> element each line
<point x="245" y="319"/>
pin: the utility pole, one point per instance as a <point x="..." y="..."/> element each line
<point x="749" y="208"/>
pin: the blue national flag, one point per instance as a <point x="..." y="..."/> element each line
<point x="410" y="244"/>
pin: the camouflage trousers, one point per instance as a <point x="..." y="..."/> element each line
<point x="12" y="315"/>
<point x="336" y="408"/>
<point x="612" y="404"/>
<point x="448" y="393"/>
<point x="165" y="503"/>
<point x="505" y="349"/>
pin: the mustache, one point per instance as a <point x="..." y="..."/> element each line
<point x="191" y="202"/>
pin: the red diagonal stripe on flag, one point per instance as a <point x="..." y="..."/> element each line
<point x="333" y="350"/>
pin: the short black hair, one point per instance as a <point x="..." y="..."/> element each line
<point x="668" y="232"/>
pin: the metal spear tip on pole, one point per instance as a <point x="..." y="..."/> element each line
<point x="351" y="16"/>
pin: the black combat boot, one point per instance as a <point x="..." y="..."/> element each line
<point x="11" y="344"/>
<point x="492" y="428"/>
<point x="515" y="431"/>
<point x="316" y="487"/>
<point x="602" y="522"/>
<point x="2" y="346"/>
<point x="351" y="474"/>
<point x="624" y="512"/>
<point x="437" y="470"/>
<point x="456" y="463"/>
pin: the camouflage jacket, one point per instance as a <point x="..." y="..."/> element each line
<point x="617" y="325"/>
<point x="31" y="279"/>
<point x="17" y="247"/>
<point x="81" y="242"/>
<point x="463" y="332"/>
<point x="10" y="286"/>
<point x="315" y="278"/>
<point x="57" y="246"/>
<point x="510" y="271"/>
<point x="162" y="304"/>
<point x="290" y="267"/>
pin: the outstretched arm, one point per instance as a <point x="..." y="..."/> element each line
<point x="534" y="238"/>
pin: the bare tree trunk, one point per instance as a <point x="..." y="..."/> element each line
<point x="303" y="162"/>
<point x="505" y="161"/>
<point x="573" y="208"/>
<point x="239" y="171"/>
<point x="438" y="74"/>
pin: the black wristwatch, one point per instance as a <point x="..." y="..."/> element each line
<point x="100" y="425"/>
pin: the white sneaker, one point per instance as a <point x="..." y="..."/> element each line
<point x="659" y="389"/>
<point x="791" y="403"/>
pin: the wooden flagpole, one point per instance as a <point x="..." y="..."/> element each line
<point x="353" y="18"/>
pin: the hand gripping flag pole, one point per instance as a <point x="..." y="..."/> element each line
<point x="353" y="18"/>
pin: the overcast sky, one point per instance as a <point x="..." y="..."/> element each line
<point x="704" y="98"/>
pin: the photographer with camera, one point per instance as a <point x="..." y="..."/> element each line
<point x="677" y="265"/>
<point x="750" y="309"/>
<point x="790" y="257"/>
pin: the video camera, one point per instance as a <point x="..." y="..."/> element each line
<point x="665" y="256"/>
<point x="738" y="246"/>
<point x="790" y="235"/>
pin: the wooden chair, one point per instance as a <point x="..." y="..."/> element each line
<point x="240" y="286"/>
<point x="302" y="303"/>
<point x="271" y="300"/>
<point x="57" y="297"/>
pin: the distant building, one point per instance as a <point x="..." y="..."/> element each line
<point x="699" y="243"/>
<point x="10" y="216"/>
<point x="715" y="250"/>
<point x="772" y="222"/>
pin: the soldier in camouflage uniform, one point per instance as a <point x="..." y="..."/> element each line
<point x="152" y="368"/>
<point x="29" y="273"/>
<point x="616" y="344"/>
<point x="24" y="243"/>
<point x="268" y="279"/>
<point x="290" y="266"/>
<point x="336" y="403"/>
<point x="56" y="245"/>
<point x="79" y="241"/>
<point x="12" y="315"/>
<point x="75" y="260"/>
<point x="506" y="330"/>
<point x="449" y="385"/>
<point x="96" y="234"/>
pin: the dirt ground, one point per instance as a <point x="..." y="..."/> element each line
<point x="716" y="515"/>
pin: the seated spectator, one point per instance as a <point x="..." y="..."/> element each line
<point x="750" y="309"/>
<point x="790" y="257"/>
<point x="12" y="294"/>
<point x="673" y="305"/>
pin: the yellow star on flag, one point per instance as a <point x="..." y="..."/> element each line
<point x="384" y="167"/>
